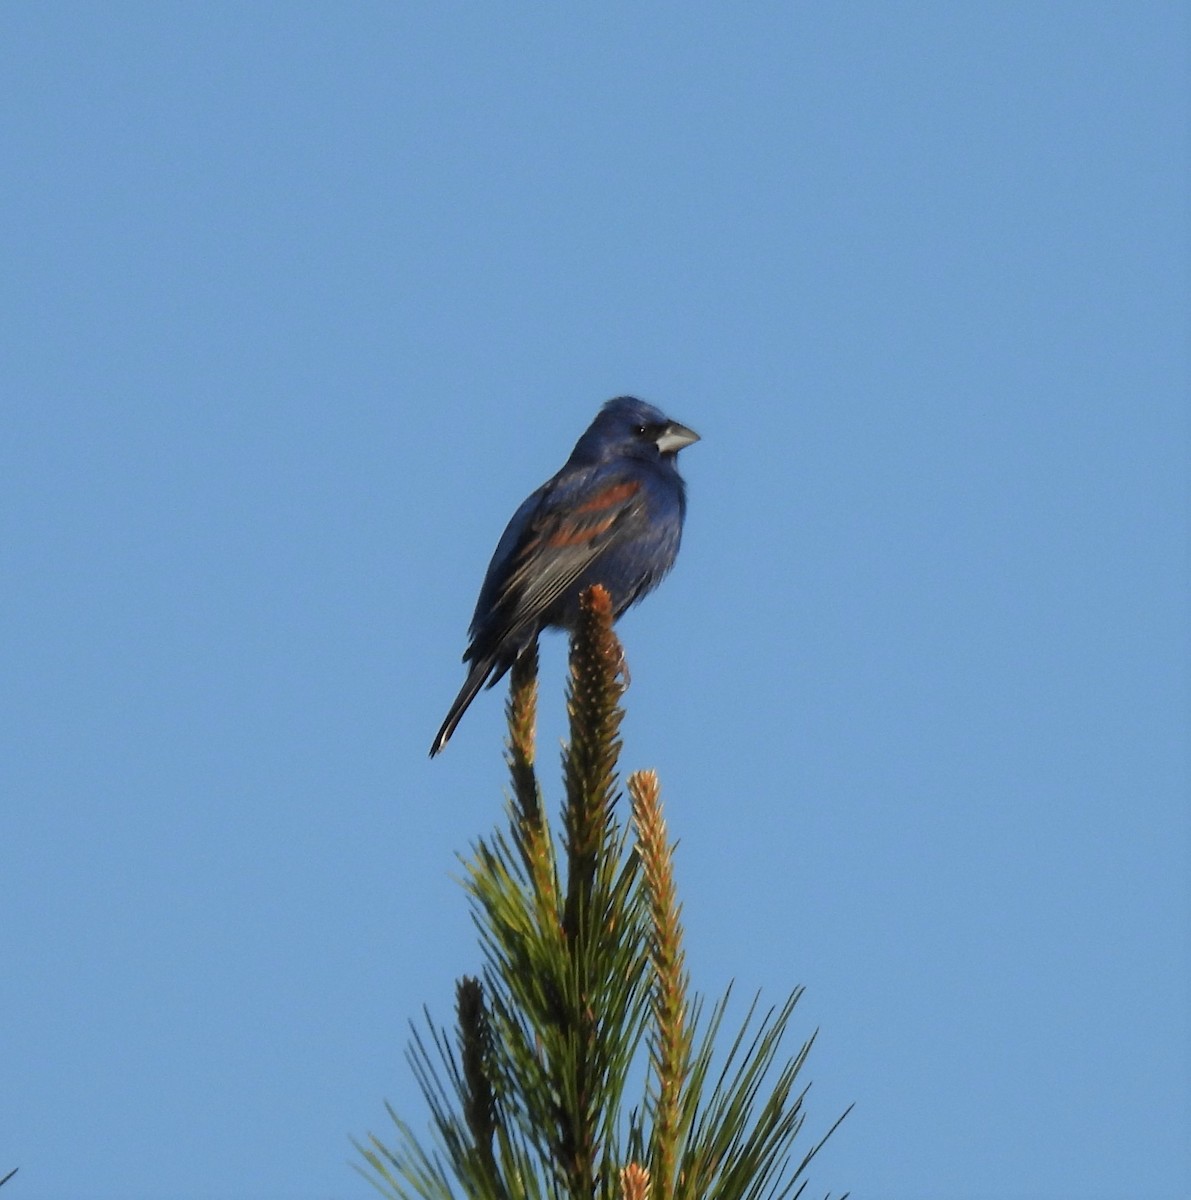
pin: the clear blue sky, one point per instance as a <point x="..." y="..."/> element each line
<point x="298" y="301"/>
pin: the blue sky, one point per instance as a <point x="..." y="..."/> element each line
<point x="298" y="302"/>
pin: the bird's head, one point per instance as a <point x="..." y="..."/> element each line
<point x="628" y="427"/>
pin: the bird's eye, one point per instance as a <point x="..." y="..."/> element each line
<point x="639" y="430"/>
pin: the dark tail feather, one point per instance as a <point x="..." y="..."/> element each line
<point x="471" y="687"/>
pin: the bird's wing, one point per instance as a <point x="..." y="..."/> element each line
<point x="569" y="529"/>
<point x="552" y="539"/>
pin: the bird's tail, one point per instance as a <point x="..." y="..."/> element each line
<point x="467" y="693"/>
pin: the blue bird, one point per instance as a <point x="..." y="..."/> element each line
<point x="613" y="515"/>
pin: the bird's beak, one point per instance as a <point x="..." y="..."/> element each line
<point x="673" y="437"/>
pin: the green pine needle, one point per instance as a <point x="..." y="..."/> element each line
<point x="581" y="1067"/>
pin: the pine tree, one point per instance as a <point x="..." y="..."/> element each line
<point x="584" y="997"/>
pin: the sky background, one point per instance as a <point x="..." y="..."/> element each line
<point x="297" y="303"/>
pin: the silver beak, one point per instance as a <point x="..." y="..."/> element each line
<point x="674" y="436"/>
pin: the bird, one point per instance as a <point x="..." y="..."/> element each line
<point x="613" y="515"/>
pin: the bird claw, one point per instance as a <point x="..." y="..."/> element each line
<point x="622" y="667"/>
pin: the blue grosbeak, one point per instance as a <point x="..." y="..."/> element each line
<point x="613" y="515"/>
